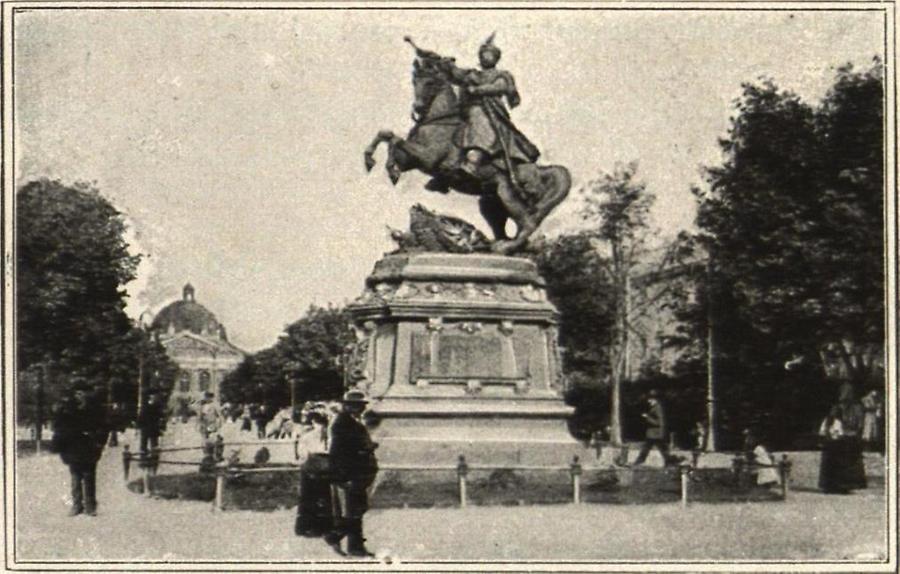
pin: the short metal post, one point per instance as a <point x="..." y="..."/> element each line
<point x="146" y="477"/>
<point x="220" y="491"/>
<point x="126" y="462"/>
<point x="575" y="470"/>
<point x="737" y="467"/>
<point x="462" y="470"/>
<point x="784" y="468"/>
<point x="685" y="485"/>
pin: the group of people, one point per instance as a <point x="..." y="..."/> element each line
<point x="338" y="470"/>
<point x="754" y="455"/>
<point x="339" y="463"/>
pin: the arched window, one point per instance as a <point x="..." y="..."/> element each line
<point x="204" y="381"/>
<point x="184" y="382"/>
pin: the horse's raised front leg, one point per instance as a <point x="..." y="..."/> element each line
<point x="390" y="164"/>
<point x="369" y="153"/>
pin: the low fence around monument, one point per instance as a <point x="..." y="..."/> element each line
<point x="223" y="471"/>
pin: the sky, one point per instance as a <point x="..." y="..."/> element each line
<point x="232" y="140"/>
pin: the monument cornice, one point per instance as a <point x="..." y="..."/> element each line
<point x="527" y="312"/>
<point x="454" y="267"/>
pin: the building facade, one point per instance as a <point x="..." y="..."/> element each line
<point x="196" y="341"/>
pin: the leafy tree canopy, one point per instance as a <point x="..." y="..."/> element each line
<point x="308" y="355"/>
<point x="794" y="219"/>
<point x="72" y="262"/>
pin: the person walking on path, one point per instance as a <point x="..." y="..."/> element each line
<point x="260" y="416"/>
<point x="657" y="432"/>
<point x="209" y="418"/>
<point x="353" y="468"/>
<point x="151" y="422"/>
<point x="80" y="433"/>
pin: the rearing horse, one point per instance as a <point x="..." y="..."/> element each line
<point x="527" y="198"/>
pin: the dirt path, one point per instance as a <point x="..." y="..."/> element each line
<point x="131" y="527"/>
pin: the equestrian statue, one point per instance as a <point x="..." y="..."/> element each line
<point x="464" y="139"/>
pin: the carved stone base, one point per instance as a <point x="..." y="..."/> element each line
<point x="458" y="354"/>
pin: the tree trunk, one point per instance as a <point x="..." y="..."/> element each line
<point x="618" y="372"/>
<point x="615" y="432"/>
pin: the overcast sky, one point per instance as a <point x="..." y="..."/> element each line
<point x="233" y="139"/>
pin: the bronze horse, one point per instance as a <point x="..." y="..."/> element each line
<point x="526" y="198"/>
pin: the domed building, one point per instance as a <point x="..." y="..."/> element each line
<point x="196" y="341"/>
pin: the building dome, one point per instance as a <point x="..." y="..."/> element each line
<point x="187" y="315"/>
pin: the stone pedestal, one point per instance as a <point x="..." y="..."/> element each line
<point x="458" y="354"/>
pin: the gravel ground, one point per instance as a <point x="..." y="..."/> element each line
<point x="131" y="527"/>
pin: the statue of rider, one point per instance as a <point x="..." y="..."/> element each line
<point x="489" y="134"/>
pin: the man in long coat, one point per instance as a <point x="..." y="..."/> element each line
<point x="353" y="468"/>
<point x="657" y="432"/>
<point x="80" y="433"/>
<point x="151" y="422"/>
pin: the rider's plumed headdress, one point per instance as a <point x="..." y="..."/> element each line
<point x="489" y="46"/>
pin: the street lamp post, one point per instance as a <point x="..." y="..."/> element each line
<point x="291" y="368"/>
<point x="143" y="327"/>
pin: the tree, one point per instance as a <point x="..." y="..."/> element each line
<point x="314" y="347"/>
<point x="618" y="204"/>
<point x="139" y="364"/>
<point x="72" y="262"/>
<point x="579" y="288"/>
<point x="305" y="363"/>
<point x="794" y="220"/>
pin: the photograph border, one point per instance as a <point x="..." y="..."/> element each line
<point x="8" y="296"/>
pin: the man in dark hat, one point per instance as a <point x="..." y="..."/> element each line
<point x="657" y="431"/>
<point x="80" y="432"/>
<point x="353" y="467"/>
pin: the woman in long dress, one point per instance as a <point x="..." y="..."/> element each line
<point x="832" y="466"/>
<point x="872" y="408"/>
<point x="314" y="510"/>
<point x="852" y="416"/>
